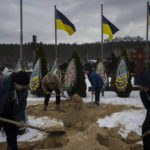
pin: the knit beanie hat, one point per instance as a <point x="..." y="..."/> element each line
<point x="143" y="79"/>
<point x="21" y="78"/>
<point x="88" y="68"/>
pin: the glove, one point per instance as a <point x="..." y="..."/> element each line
<point x="48" y="92"/>
<point x="63" y="95"/>
<point x="21" y="124"/>
<point x="92" y="92"/>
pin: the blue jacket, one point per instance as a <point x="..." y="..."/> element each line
<point x="95" y="80"/>
<point x="19" y="105"/>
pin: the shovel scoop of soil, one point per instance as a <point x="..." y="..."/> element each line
<point x="55" y="129"/>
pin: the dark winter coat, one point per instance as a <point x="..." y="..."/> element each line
<point x="95" y="80"/>
<point x="6" y="87"/>
<point x="145" y="97"/>
<point x="143" y="79"/>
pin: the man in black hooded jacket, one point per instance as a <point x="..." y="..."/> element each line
<point x="143" y="80"/>
<point x="13" y="95"/>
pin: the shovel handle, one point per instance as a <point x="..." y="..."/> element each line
<point x="9" y="121"/>
<point x="145" y="134"/>
<point x="17" y="124"/>
<point x="92" y="97"/>
<point x="34" y="127"/>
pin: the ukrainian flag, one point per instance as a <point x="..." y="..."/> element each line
<point x="109" y="28"/>
<point x="19" y="66"/>
<point x="63" y="23"/>
<point x="35" y="77"/>
<point x="149" y="14"/>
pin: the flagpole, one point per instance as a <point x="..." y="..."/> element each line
<point x="21" y="31"/>
<point x="102" y="31"/>
<point x="55" y="33"/>
<point x="147" y="36"/>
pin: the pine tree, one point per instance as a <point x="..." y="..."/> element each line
<point x="80" y="86"/>
<point x="128" y="89"/>
<point x="40" y="53"/>
<point x="114" y="62"/>
<point x="113" y="66"/>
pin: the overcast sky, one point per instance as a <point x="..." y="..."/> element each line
<point x="38" y="19"/>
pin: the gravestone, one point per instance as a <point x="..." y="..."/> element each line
<point x="34" y="45"/>
<point x="140" y="59"/>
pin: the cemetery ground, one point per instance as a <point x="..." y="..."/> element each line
<point x="114" y="125"/>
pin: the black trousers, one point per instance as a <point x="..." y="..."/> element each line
<point x="47" y="97"/>
<point x="11" y="135"/>
<point x="97" y="94"/>
<point x="146" y="127"/>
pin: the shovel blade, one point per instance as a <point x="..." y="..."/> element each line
<point x="55" y="130"/>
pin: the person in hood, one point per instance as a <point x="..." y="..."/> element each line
<point x="96" y="82"/>
<point x="51" y="82"/>
<point x="143" y="80"/>
<point x="13" y="99"/>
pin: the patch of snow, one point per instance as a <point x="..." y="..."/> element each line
<point x="130" y="120"/>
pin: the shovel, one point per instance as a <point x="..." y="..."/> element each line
<point x="92" y="103"/>
<point x="138" y="139"/>
<point x="53" y="130"/>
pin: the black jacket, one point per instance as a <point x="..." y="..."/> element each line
<point x="143" y="79"/>
<point x="145" y="97"/>
<point x="19" y="105"/>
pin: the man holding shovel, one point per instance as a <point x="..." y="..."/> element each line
<point x="143" y="80"/>
<point x="51" y="82"/>
<point x="13" y="95"/>
<point x="96" y="82"/>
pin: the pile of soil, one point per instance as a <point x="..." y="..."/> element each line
<point x="82" y="132"/>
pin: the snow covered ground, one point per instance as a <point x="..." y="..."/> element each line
<point x="130" y="120"/>
<point x="109" y="98"/>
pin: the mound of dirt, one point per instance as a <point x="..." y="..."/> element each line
<point x="76" y="116"/>
<point x="133" y="137"/>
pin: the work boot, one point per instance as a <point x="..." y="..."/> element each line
<point x="45" y="108"/>
<point x="57" y="107"/>
<point x="97" y="103"/>
<point x="12" y="147"/>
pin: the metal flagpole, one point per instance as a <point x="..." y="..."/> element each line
<point x="102" y="31"/>
<point x="21" y="31"/>
<point x="55" y="33"/>
<point x="147" y="36"/>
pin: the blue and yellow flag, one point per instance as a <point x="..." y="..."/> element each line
<point x="63" y="23"/>
<point x="55" y="70"/>
<point x="19" y="66"/>
<point x="121" y="81"/>
<point x="149" y="14"/>
<point x="109" y="28"/>
<point x="35" y="77"/>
